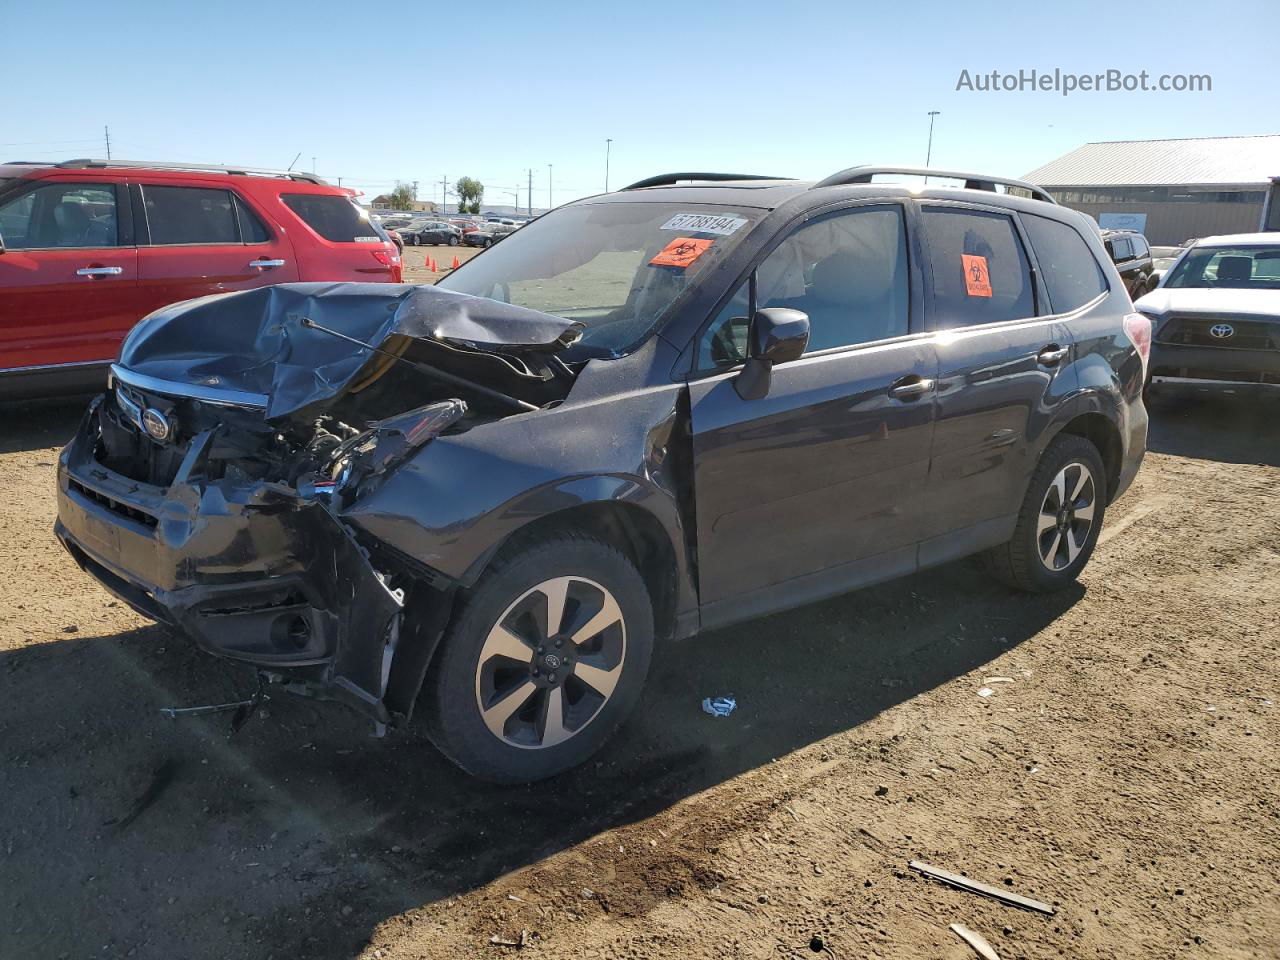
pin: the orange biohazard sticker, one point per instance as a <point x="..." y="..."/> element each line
<point x="977" y="281"/>
<point x="681" y="252"/>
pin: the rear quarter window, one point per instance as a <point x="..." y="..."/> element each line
<point x="337" y="219"/>
<point x="1070" y="271"/>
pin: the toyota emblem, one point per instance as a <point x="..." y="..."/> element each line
<point x="1222" y="330"/>
<point x="156" y="424"/>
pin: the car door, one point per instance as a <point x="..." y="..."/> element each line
<point x="813" y="487"/>
<point x="68" y="274"/>
<point x="203" y="239"/>
<point x="999" y="363"/>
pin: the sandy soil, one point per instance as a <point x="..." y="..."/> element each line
<point x="1126" y="772"/>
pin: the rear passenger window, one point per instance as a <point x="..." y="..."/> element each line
<point x="1070" y="271"/>
<point x="337" y="219"/>
<point x="980" y="271"/>
<point x="179" y="215"/>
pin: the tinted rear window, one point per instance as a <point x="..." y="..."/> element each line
<point x="190" y="215"/>
<point x="337" y="219"/>
<point x="1070" y="272"/>
<point x="980" y="271"/>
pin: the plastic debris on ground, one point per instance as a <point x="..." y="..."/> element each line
<point x="719" y="706"/>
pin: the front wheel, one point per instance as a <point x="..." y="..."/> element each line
<point x="544" y="660"/>
<point x="416" y="240"/>
<point x="1059" y="521"/>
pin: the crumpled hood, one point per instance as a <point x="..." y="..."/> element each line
<point x="1212" y="301"/>
<point x="253" y="342"/>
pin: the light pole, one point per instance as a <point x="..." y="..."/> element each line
<point x="548" y="186"/>
<point x="607" y="145"/>
<point x="929" y="152"/>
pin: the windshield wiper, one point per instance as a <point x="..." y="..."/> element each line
<point x="427" y="370"/>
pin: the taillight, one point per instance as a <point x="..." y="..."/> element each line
<point x="383" y="257"/>
<point x="1137" y="327"/>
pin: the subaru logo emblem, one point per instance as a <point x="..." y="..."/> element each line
<point x="1222" y="330"/>
<point x="156" y="424"/>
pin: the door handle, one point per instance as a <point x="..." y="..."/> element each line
<point x="910" y="389"/>
<point x="99" y="271"/>
<point x="1052" y="355"/>
<point x="266" y="263"/>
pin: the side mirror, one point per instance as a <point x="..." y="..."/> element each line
<point x="776" y="335"/>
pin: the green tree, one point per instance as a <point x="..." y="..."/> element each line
<point x="402" y="197"/>
<point x="470" y="193"/>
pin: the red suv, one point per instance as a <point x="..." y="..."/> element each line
<point x="89" y="247"/>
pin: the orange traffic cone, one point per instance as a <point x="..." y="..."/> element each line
<point x="431" y="264"/>
<point x="456" y="264"/>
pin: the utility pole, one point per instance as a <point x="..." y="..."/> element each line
<point x="444" y="193"/>
<point x="548" y="186"/>
<point x="106" y="132"/>
<point x="928" y="156"/>
<point x="313" y="164"/>
<point x="607" y="145"/>
<point x="530" y="191"/>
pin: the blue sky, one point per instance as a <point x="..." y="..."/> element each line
<point x="491" y="89"/>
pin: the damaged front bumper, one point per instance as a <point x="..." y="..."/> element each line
<point x="251" y="571"/>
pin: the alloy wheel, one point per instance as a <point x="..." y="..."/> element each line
<point x="551" y="662"/>
<point x="1066" y="516"/>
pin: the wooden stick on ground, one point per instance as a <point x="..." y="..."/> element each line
<point x="975" y="886"/>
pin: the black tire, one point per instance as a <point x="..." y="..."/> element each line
<point x="488" y="242"/>
<point x="459" y="676"/>
<point x="453" y="241"/>
<point x="1020" y="562"/>
<point x="417" y="241"/>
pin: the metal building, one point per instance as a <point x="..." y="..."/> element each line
<point x="1170" y="190"/>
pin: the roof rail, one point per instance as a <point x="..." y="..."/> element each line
<point x="667" y="179"/>
<point x="972" y="181"/>
<point x="84" y="163"/>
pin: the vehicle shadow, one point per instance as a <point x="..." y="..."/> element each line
<point x="301" y="834"/>
<point x="1223" y="427"/>
<point x="33" y="424"/>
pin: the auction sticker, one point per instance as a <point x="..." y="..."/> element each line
<point x="977" y="279"/>
<point x="704" y="223"/>
<point x="681" y="252"/>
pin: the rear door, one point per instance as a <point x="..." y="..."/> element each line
<point x="69" y="273"/>
<point x="999" y="358"/>
<point x="815" y="486"/>
<point x="204" y="238"/>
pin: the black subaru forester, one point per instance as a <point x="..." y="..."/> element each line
<point x="693" y="401"/>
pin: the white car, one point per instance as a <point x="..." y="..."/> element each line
<point x="1216" y="317"/>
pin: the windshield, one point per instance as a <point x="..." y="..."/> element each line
<point x="616" y="267"/>
<point x="1246" y="268"/>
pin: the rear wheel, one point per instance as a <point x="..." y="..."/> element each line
<point x="1059" y="521"/>
<point x="453" y="241"/>
<point x="544" y="661"/>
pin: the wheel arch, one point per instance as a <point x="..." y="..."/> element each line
<point x="1104" y="434"/>
<point x="634" y="530"/>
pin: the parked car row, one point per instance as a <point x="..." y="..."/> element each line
<point x="88" y="247"/>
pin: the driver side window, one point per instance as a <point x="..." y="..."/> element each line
<point x="846" y="271"/>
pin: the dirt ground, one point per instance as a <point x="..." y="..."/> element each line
<point x="1124" y="770"/>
